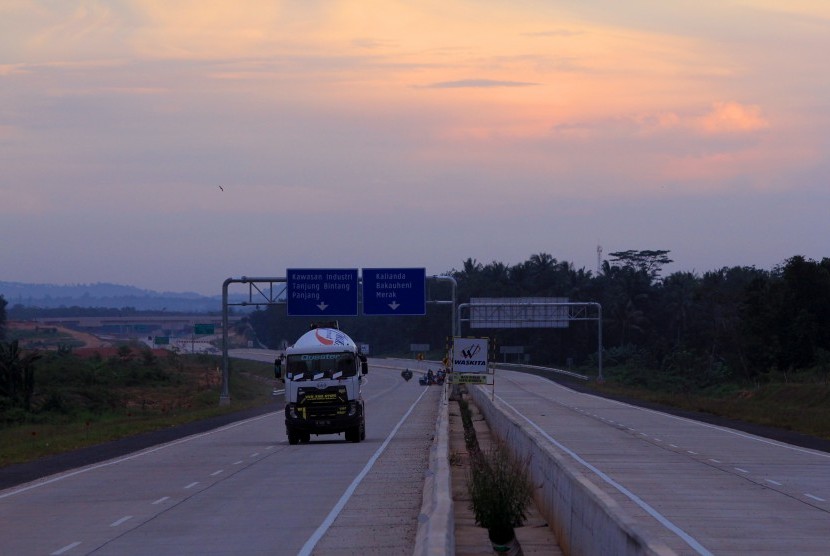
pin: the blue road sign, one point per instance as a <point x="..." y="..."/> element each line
<point x="321" y="292"/>
<point x="394" y="291"/>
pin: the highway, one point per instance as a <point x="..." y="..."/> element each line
<point x="241" y="489"/>
<point x="684" y="486"/>
<point x="694" y="487"/>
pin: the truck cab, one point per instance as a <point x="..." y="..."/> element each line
<point x="323" y="372"/>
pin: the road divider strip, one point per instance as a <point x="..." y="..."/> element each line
<point x="584" y="518"/>
<point x="308" y="547"/>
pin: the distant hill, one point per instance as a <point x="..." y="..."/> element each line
<point x="104" y="295"/>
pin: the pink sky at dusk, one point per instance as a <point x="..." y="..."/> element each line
<point x="384" y="134"/>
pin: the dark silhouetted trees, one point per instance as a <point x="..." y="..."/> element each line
<point x="732" y="324"/>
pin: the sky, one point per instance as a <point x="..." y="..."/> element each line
<point x="170" y="145"/>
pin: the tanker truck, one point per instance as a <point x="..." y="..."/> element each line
<point x="323" y="372"/>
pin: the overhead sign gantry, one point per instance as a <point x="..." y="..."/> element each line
<point x="315" y="292"/>
<point x="334" y="292"/>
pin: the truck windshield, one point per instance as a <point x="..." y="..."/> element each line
<point x="315" y="366"/>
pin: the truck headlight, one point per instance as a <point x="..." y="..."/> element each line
<point x="352" y="409"/>
<point x="291" y="411"/>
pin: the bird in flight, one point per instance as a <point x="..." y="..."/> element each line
<point x="222" y="188"/>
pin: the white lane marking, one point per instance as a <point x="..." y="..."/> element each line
<point x="255" y="454"/>
<point x="814" y="497"/>
<point x="728" y="431"/>
<point x="691" y="541"/>
<point x="691" y="452"/>
<point x="713" y="460"/>
<point x="238" y="462"/>
<point x="120" y="521"/>
<point x="66" y="548"/>
<point x="191" y="485"/>
<point x="746" y="436"/>
<point x="740" y="470"/>
<point x="215" y="473"/>
<point x="321" y="530"/>
<point x="776" y="483"/>
<point x="160" y="500"/>
<point x="673" y="445"/>
<point x="55" y="479"/>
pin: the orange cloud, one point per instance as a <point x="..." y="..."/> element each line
<point x="732" y="117"/>
<point x="12" y="69"/>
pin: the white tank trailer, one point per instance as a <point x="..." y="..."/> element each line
<point x="323" y="372"/>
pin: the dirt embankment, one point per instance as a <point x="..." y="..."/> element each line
<point x="88" y="340"/>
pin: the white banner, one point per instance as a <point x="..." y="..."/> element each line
<point x="519" y="312"/>
<point x="469" y="355"/>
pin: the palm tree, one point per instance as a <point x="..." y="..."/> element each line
<point x="678" y="297"/>
<point x="626" y="294"/>
<point x="17" y="374"/>
<point x="3" y="304"/>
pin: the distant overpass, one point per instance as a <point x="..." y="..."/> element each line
<point x="137" y="325"/>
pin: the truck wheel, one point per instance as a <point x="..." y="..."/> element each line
<point x="353" y="434"/>
<point x="293" y="437"/>
<point x="363" y="430"/>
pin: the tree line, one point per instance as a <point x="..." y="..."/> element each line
<point x="683" y="330"/>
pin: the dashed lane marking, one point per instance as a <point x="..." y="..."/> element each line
<point x="124" y="519"/>
<point x="65" y="549"/>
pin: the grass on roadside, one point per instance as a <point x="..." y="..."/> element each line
<point x="802" y="407"/>
<point x="117" y="399"/>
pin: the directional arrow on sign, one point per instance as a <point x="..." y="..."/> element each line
<point x="394" y="291"/>
<point x="322" y="306"/>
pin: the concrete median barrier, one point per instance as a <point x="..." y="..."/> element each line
<point x="586" y="521"/>
<point x="436" y="525"/>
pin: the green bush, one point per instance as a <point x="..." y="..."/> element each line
<point x="500" y="491"/>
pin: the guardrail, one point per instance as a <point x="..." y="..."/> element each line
<point x="541" y="371"/>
